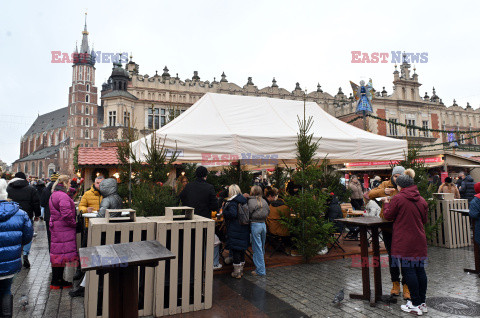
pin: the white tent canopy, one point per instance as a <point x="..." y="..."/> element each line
<point x="226" y="127"/>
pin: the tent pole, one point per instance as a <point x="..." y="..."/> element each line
<point x="364" y="120"/>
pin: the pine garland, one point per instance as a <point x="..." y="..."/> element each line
<point x="449" y="142"/>
<point x="422" y="128"/>
<point x="355" y="119"/>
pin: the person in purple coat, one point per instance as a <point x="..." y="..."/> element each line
<point x="63" y="247"/>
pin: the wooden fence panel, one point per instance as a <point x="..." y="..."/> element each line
<point x="103" y="233"/>
<point x="192" y="243"/>
<point x="454" y="230"/>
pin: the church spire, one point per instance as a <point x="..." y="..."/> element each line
<point x="84" y="55"/>
<point x="84" y="47"/>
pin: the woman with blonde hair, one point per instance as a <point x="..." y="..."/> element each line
<point x="259" y="211"/>
<point x="182" y="181"/>
<point x="238" y="235"/>
<point x="63" y="246"/>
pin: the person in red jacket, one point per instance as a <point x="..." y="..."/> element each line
<point x="408" y="211"/>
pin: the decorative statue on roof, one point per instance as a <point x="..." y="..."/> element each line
<point x="364" y="95"/>
<point x="452" y="139"/>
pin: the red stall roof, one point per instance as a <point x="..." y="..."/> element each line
<point x="100" y="156"/>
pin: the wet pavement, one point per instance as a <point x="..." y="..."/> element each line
<point x="304" y="290"/>
<point x="310" y="288"/>
<point x="35" y="284"/>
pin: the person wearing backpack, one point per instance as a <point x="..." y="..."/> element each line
<point x="259" y="211"/>
<point x="236" y="215"/>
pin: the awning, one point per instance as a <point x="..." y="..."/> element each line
<point x="464" y="166"/>
<point x="365" y="168"/>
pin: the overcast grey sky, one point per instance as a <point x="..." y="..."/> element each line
<point x="293" y="41"/>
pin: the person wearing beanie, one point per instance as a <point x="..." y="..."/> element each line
<point x="449" y="187"/>
<point x="15" y="231"/>
<point x="20" y="191"/>
<point x="54" y="177"/>
<point x="389" y="189"/>
<point x="20" y="175"/>
<point x="408" y="211"/>
<point x="376" y="182"/>
<point x="474" y="212"/>
<point x="200" y="195"/>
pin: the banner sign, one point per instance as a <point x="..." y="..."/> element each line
<point x="390" y="162"/>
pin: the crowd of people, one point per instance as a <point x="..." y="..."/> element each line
<point x="249" y="218"/>
<point x="24" y="202"/>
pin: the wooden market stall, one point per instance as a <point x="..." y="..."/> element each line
<point x="95" y="161"/>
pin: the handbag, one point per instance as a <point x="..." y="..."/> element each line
<point x="80" y="222"/>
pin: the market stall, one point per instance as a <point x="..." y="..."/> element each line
<point x="442" y="163"/>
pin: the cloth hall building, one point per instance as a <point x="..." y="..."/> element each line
<point x="146" y="103"/>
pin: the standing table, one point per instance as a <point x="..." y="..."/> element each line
<point x="372" y="223"/>
<point x="476" y="251"/>
<point x="121" y="261"/>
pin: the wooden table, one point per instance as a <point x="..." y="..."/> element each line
<point x="372" y="223"/>
<point x="476" y="250"/>
<point x="121" y="261"/>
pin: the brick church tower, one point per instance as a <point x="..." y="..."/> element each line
<point x="82" y="100"/>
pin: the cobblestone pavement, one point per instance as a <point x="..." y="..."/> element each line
<point x="311" y="288"/>
<point x="35" y="283"/>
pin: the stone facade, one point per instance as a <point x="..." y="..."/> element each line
<point x="405" y="105"/>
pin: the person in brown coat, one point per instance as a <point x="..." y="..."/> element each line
<point x="449" y="187"/>
<point x="278" y="209"/>
<point x="389" y="189"/>
<point x="357" y="193"/>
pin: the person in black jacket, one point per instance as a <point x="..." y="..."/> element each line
<point x="40" y="186"/>
<point x="292" y="188"/>
<point x="467" y="189"/>
<point x="334" y="211"/>
<point x="200" y="195"/>
<point x="238" y="235"/>
<point x="27" y="197"/>
<point x="46" y="207"/>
